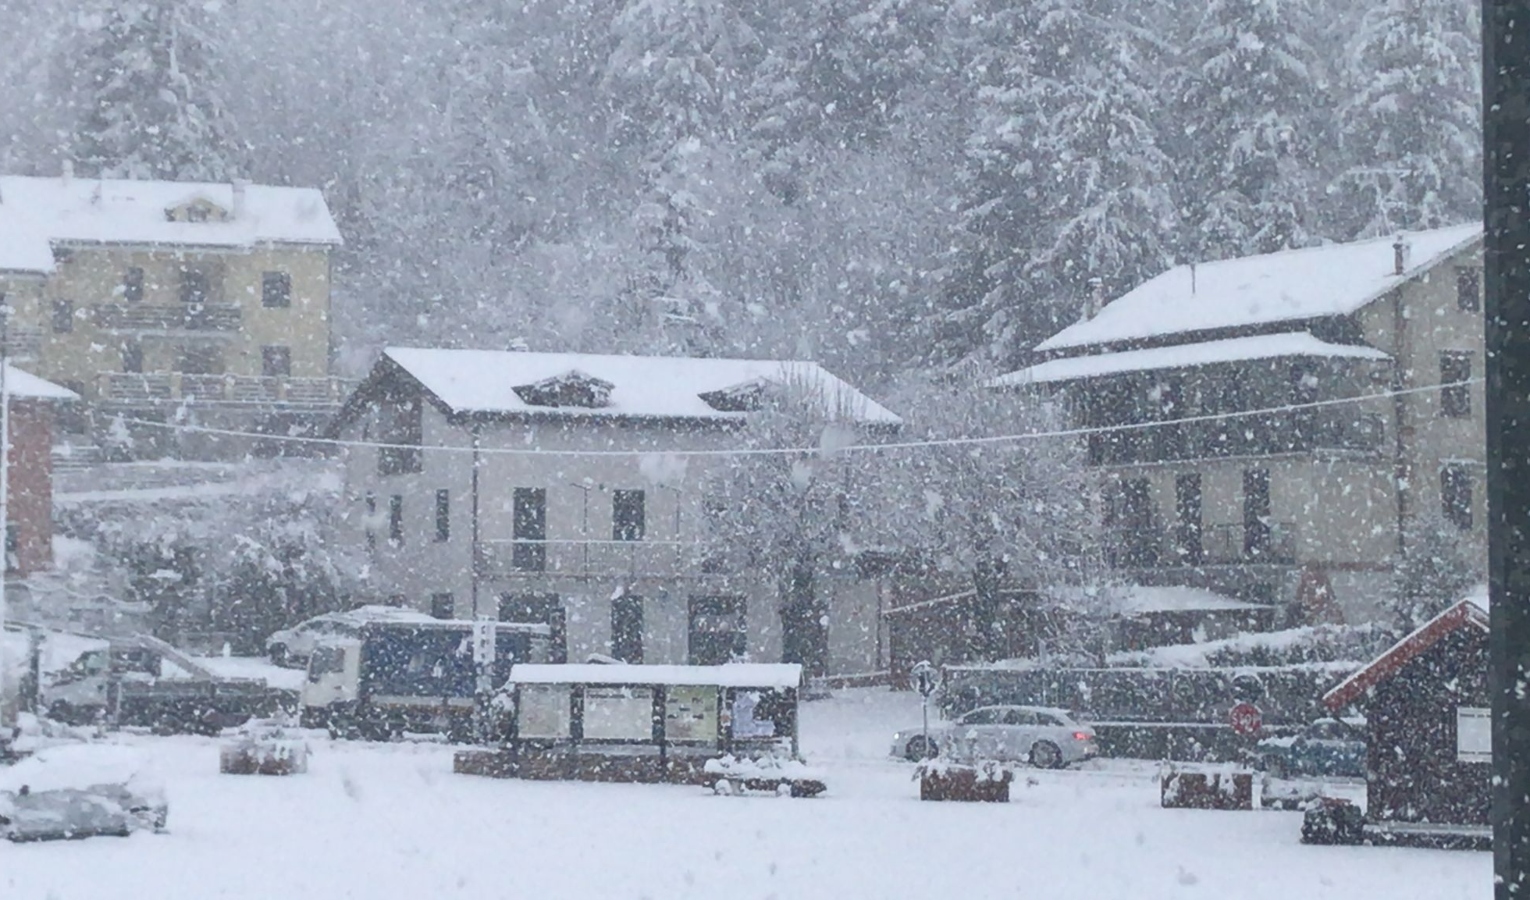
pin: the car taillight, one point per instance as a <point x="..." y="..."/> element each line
<point x="1081" y="735"/>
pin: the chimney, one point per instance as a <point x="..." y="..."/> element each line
<point x="237" y="211"/>
<point x="67" y="174"/>
<point x="1095" y="300"/>
<point x="1401" y="250"/>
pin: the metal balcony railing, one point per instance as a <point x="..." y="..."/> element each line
<point x="1300" y="432"/>
<point x="188" y="317"/>
<point x="135" y="387"/>
<point x="589" y="559"/>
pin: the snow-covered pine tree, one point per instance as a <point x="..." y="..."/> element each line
<point x="1065" y="181"/>
<point x="673" y="81"/>
<point x="147" y="88"/>
<point x="1439" y="564"/>
<point x="1249" y="98"/>
<point x="1410" y="123"/>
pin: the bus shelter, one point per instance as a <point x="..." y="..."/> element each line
<point x="656" y="723"/>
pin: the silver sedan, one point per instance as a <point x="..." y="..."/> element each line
<point x="1042" y="736"/>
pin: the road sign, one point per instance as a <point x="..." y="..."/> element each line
<point x="1246" y="718"/>
<point x="925" y="678"/>
<point x="483" y="641"/>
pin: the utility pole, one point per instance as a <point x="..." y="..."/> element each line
<point x="5" y="481"/>
<point x="1506" y="263"/>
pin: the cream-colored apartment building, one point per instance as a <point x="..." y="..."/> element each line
<point x="146" y="297"/>
<point x="1366" y="360"/>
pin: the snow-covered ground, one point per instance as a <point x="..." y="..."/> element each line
<point x="392" y="821"/>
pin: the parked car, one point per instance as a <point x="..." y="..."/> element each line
<point x="292" y="646"/>
<point x="1044" y="737"/>
<point x="77" y="791"/>
<point x="1324" y="748"/>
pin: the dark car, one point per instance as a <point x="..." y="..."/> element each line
<point x="1326" y="748"/>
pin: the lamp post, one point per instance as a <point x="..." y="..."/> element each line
<point x="1506" y="264"/>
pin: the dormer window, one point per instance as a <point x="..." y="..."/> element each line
<point x="571" y="389"/>
<point x="745" y="397"/>
<point x="197" y="209"/>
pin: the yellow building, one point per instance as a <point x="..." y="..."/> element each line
<point x="148" y="296"/>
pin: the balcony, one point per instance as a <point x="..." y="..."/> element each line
<point x="1267" y="435"/>
<point x="205" y="317"/>
<point x="227" y="390"/>
<point x="1153" y="547"/>
<point x="500" y="559"/>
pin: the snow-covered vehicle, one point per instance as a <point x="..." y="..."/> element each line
<point x="78" y="791"/>
<point x="144" y="682"/>
<point x="1042" y="736"/>
<point x="292" y="646"/>
<point x="417" y="676"/>
<point x="1325" y="748"/>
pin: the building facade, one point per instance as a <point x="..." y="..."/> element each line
<point x="1323" y="408"/>
<point x="148" y="296"/>
<point x="567" y="488"/>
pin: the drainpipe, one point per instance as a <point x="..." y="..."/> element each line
<point x="1401" y="472"/>
<point x="474" y="548"/>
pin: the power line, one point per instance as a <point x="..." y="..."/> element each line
<point x="797" y="451"/>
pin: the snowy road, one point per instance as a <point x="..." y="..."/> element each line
<point x="391" y="821"/>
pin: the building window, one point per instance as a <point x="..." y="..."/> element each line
<point x="370" y="521"/>
<point x="530" y="529"/>
<point x="1469" y="289"/>
<point x="1256" y="513"/>
<point x="12" y="548"/>
<point x="1474" y="734"/>
<point x="627" y="628"/>
<point x="442" y="606"/>
<point x="63" y="316"/>
<point x="717" y="630"/>
<point x="539" y="609"/>
<point x="275" y="290"/>
<point x="396" y="518"/>
<point x="443" y="515"/>
<point x="275" y="361"/>
<point x="132" y="357"/>
<point x="132" y="285"/>
<point x="194" y="287"/>
<point x="627" y="519"/>
<point x="398" y="600"/>
<point x="402" y="427"/>
<point x="1455" y="395"/>
<point x="201" y="359"/>
<point x="1456" y="496"/>
<point x="1187" y="527"/>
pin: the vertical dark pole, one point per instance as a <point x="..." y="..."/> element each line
<point x="1506" y="256"/>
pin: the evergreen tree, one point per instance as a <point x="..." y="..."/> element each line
<point x="1065" y="180"/>
<point x="147" y="88"/>
<point x="1439" y="565"/>
<point x="1248" y="96"/>
<point x="1411" y="121"/>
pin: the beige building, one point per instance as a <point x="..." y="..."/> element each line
<point x="1367" y="359"/>
<point x="146" y="296"/>
<point x="568" y="488"/>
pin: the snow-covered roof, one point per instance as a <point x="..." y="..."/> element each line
<point x="1263" y="346"/>
<point x="36" y="213"/>
<point x="1336" y="279"/>
<point x="28" y="386"/>
<point x="485" y="381"/>
<point x="1471" y="611"/>
<point x="745" y="675"/>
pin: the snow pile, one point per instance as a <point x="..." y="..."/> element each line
<point x="1342" y="647"/>
<point x="1265" y="346"/>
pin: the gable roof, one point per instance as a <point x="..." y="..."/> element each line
<point x="1468" y="612"/>
<point x="1261" y="346"/>
<point x="485" y="382"/>
<point x="38" y="212"/>
<point x="1336" y="279"/>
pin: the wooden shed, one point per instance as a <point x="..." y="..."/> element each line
<point x="646" y="723"/>
<point x="1429" y="755"/>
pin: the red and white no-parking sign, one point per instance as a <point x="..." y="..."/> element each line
<point x="1245" y="718"/>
